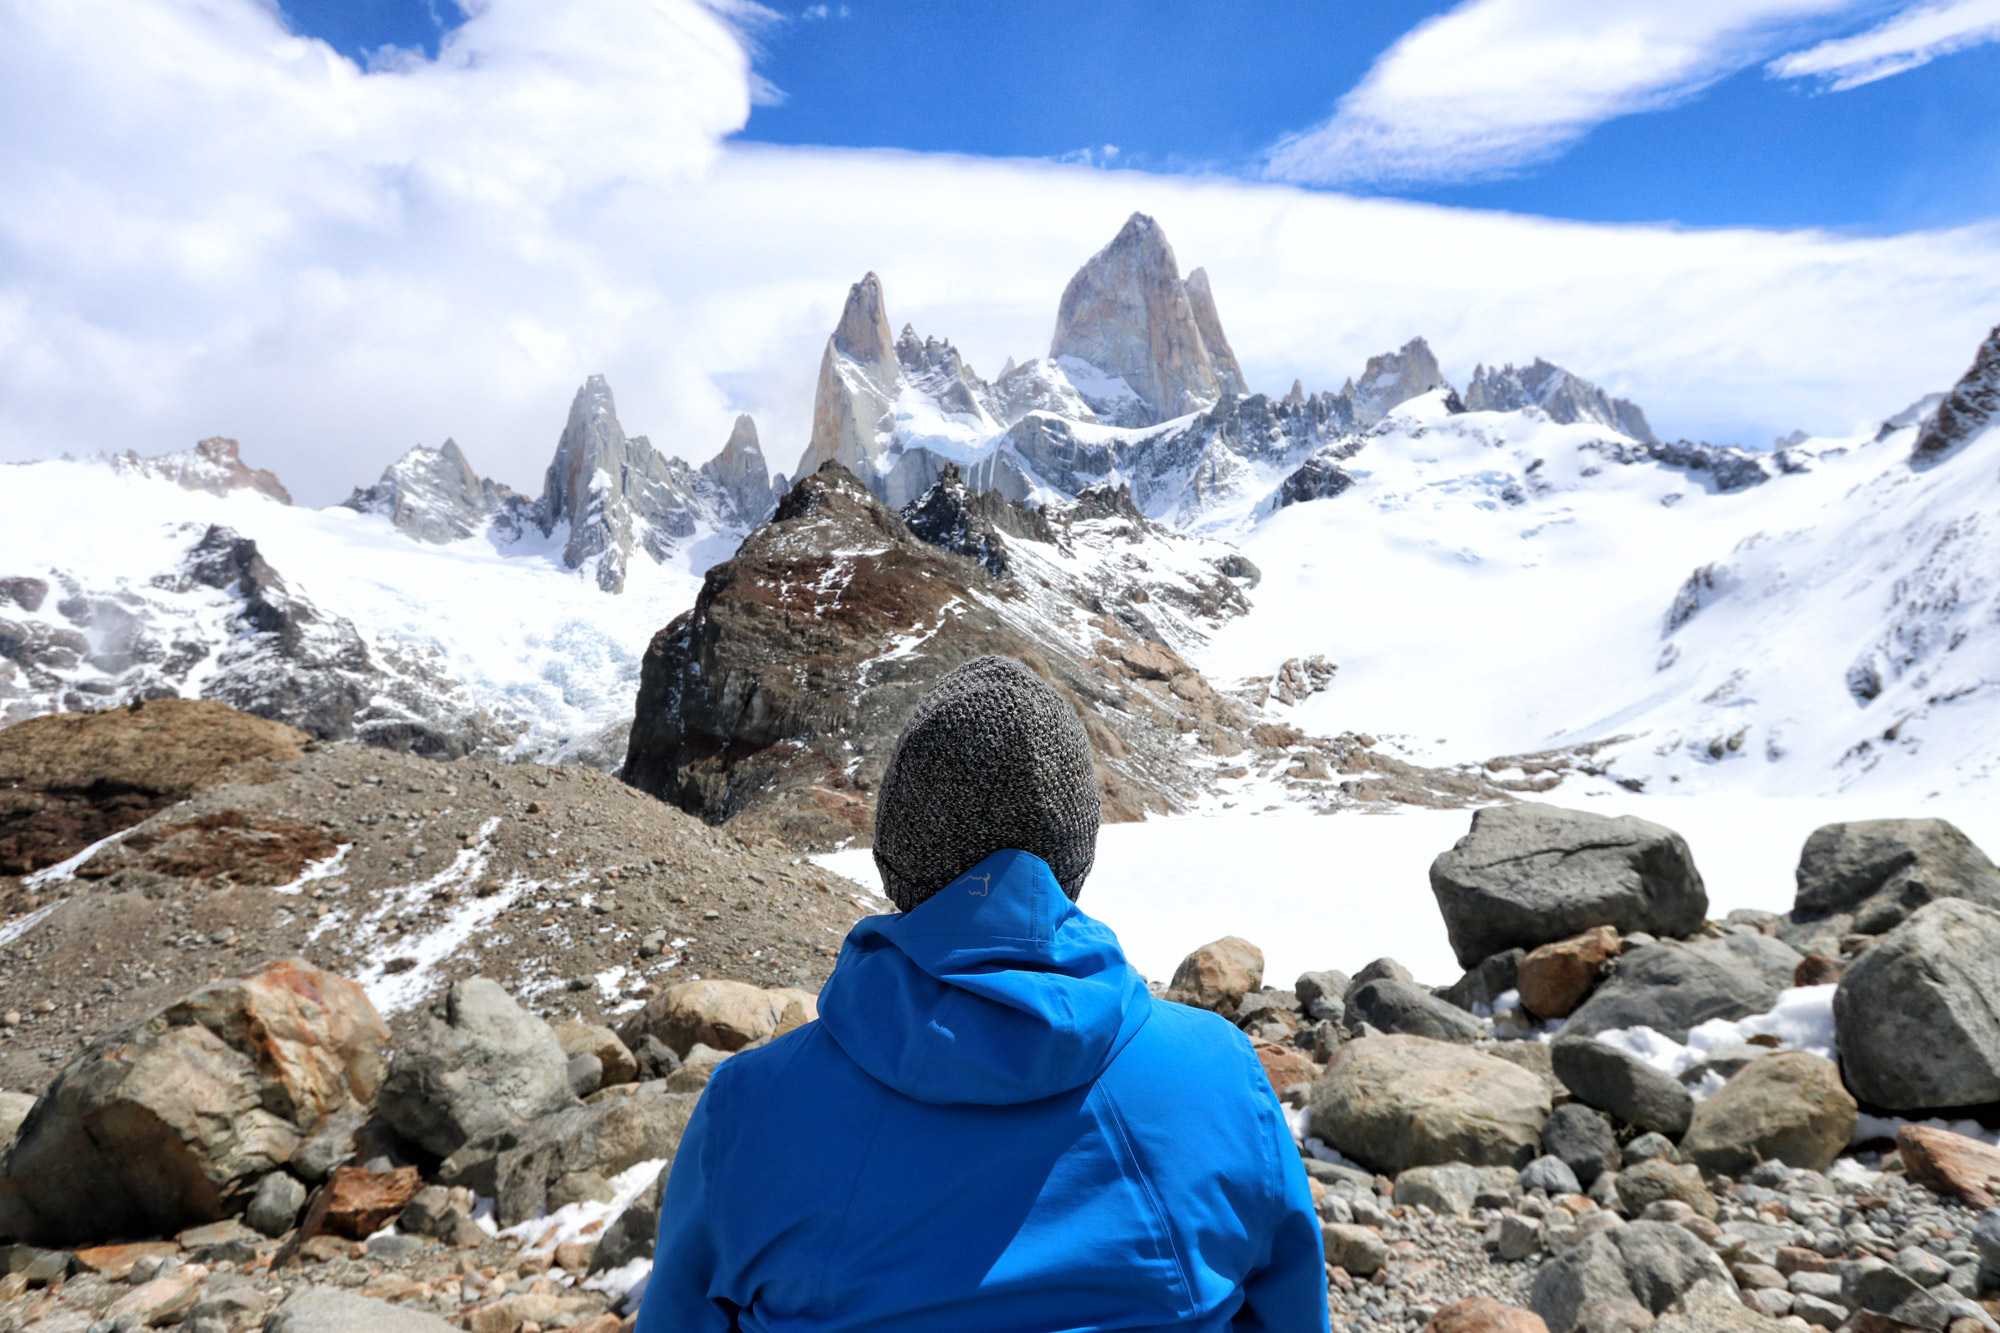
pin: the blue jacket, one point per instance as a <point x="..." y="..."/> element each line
<point x="992" y="1126"/>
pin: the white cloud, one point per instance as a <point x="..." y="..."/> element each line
<point x="213" y="227"/>
<point x="1494" y="85"/>
<point x="1917" y="36"/>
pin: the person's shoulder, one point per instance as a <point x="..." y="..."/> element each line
<point x="1179" y="1040"/>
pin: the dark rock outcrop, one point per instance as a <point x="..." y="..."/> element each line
<point x="434" y="495"/>
<point x="785" y="687"/>
<point x="1967" y="411"/>
<point x="1866" y="877"/>
<point x="215" y="465"/>
<point x="1564" y="397"/>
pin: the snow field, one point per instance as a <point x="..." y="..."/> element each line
<point x="1340" y="890"/>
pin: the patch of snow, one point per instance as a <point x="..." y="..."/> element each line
<point x="21" y="925"/>
<point x="1801" y="1020"/>
<point x="64" y="871"/>
<point x="324" y="868"/>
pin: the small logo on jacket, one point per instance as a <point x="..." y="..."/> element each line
<point x="985" y="884"/>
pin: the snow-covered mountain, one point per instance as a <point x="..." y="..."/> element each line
<point x="1518" y="566"/>
<point x="435" y="611"/>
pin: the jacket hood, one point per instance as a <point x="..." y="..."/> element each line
<point x="993" y="991"/>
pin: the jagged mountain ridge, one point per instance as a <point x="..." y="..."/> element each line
<point x="479" y="583"/>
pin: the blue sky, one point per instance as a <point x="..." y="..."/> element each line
<point x="1212" y="85"/>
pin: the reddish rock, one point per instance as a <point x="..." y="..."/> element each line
<point x="1951" y="1164"/>
<point x="1482" y="1314"/>
<point x="115" y="1261"/>
<point x="357" y="1203"/>
<point x="164" y="1300"/>
<point x="1555" y="978"/>
<point x="1816" y="969"/>
<point x="1284" y="1065"/>
<point x="170" y="1122"/>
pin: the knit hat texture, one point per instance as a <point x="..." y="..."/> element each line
<point x="992" y="760"/>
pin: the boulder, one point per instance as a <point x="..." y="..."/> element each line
<point x="1671" y="987"/>
<point x="725" y="1015"/>
<point x="1405" y="1007"/>
<point x="1788" y="1106"/>
<point x="329" y="1310"/>
<point x="1653" y="1266"/>
<point x="1452" y="1188"/>
<point x="1530" y="874"/>
<point x="1656" y="1180"/>
<point x="115" y="1262"/>
<point x="1952" y="1165"/>
<point x="1358" y="1249"/>
<point x="519" y="1169"/>
<point x="1622" y="1085"/>
<point x="1481" y="987"/>
<point x="1551" y="1175"/>
<point x="1554" y="979"/>
<point x="1218" y="975"/>
<point x="276" y="1204"/>
<point x="1896" y="1297"/>
<point x="693" y="1073"/>
<point x="1876" y="872"/>
<point x="1483" y="1314"/>
<point x="615" y="1062"/>
<point x="475" y="1068"/>
<point x="356" y="1202"/>
<point x="171" y="1121"/>
<point x="1582" y="1139"/>
<point x="1917" y="1017"/>
<point x="1396" y="1102"/>
<point x="1382" y="969"/>
<point x="1322" y="994"/>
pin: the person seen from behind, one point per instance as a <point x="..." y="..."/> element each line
<point x="993" y="1127"/>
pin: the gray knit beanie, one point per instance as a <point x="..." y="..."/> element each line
<point x="992" y="760"/>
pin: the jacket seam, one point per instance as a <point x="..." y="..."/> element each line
<point x="1152" y="1200"/>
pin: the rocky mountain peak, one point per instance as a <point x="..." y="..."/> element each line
<point x="434" y="494"/>
<point x="1394" y="378"/>
<point x="1970" y="408"/>
<point x="614" y="493"/>
<point x="214" y="465"/>
<point x="1128" y="316"/>
<point x="741" y="473"/>
<point x="1564" y="397"/>
<point x="1228" y="374"/>
<point x="863" y="332"/>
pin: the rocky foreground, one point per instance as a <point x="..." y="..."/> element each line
<point x="319" y="1037"/>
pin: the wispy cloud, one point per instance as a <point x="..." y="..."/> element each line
<point x="1495" y="85"/>
<point x="213" y="227"/>
<point x="1914" y="37"/>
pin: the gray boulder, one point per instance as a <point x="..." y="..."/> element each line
<point x="1453" y="1188"/>
<point x="1382" y="969"/>
<point x="1320" y="994"/>
<point x="329" y="1310"/>
<point x="1672" y="987"/>
<point x="1582" y="1140"/>
<point x="521" y="1168"/>
<point x="276" y="1204"/>
<point x="1404" y="1006"/>
<point x="475" y="1070"/>
<point x="1622" y="1085"/>
<point x="1896" y="1296"/>
<point x="1396" y="1102"/>
<point x="1550" y="1174"/>
<point x="1651" y="1268"/>
<point x="1876" y="872"/>
<point x="1529" y="874"/>
<point x="1917" y="1017"/>
<point x="1623" y="1278"/>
